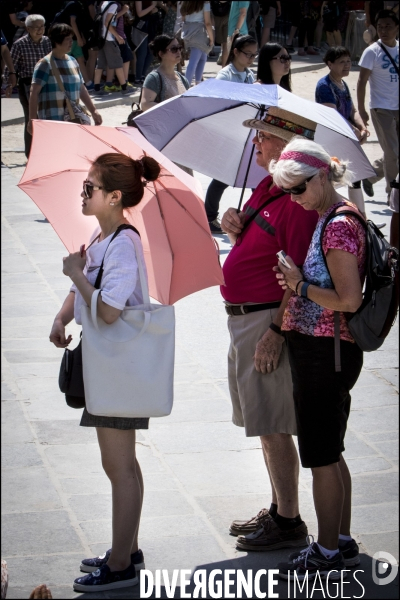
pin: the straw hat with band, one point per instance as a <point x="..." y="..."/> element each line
<point x="283" y="124"/>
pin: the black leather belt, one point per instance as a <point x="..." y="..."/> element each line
<point x="234" y="310"/>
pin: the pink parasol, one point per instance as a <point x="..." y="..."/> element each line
<point x="180" y="253"/>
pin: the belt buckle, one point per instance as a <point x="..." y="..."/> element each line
<point x="242" y="309"/>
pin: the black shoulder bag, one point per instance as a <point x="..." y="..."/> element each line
<point x="135" y="112"/>
<point x="396" y="68"/>
<point x="70" y="379"/>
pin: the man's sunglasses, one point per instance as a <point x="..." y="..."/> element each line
<point x="175" y="49"/>
<point x="282" y="58"/>
<point x="298" y="189"/>
<point x="249" y="55"/>
<point x="88" y="188"/>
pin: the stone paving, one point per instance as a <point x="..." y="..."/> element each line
<point x="200" y="471"/>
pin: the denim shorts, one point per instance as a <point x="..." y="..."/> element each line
<point x="321" y="395"/>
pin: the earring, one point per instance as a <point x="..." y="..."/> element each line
<point x="112" y="203"/>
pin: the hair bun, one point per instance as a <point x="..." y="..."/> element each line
<point x="150" y="167"/>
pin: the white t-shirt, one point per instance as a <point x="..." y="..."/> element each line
<point x="112" y="10"/>
<point x="384" y="81"/>
<point x="198" y="17"/>
<point x="120" y="284"/>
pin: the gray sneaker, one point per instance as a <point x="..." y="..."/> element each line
<point x="215" y="227"/>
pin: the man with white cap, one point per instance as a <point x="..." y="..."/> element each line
<point x="258" y="366"/>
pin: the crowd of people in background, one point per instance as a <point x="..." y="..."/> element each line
<point x="145" y="44"/>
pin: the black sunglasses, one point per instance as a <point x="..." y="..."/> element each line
<point x="175" y="49"/>
<point x="88" y="188"/>
<point x="298" y="189"/>
<point x="282" y="58"/>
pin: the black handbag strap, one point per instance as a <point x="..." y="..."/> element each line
<point x="100" y="273"/>
<point x="257" y="212"/>
<point x="390" y="57"/>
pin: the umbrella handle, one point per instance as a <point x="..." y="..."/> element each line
<point x="245" y="179"/>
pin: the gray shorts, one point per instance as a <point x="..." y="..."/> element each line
<point x="109" y="56"/>
<point x="262" y="403"/>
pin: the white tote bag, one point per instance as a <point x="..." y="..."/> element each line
<point x="128" y="366"/>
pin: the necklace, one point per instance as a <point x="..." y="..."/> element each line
<point x="111" y="230"/>
<point x="340" y="83"/>
<point x="174" y="77"/>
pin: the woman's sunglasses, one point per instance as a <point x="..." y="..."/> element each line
<point x="282" y="58"/>
<point x="88" y="188"/>
<point x="175" y="49"/>
<point x="249" y="55"/>
<point x="298" y="189"/>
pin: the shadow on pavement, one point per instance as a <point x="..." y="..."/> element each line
<point x="248" y="578"/>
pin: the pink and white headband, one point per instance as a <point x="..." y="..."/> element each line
<point x="306" y="159"/>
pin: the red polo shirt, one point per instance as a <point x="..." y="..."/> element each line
<point x="281" y="225"/>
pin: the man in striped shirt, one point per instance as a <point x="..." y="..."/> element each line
<point x="26" y="52"/>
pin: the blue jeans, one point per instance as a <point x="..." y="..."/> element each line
<point x="144" y="57"/>
<point x="196" y="65"/>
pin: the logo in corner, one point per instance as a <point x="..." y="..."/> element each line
<point x="384" y="568"/>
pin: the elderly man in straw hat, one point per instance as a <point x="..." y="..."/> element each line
<point x="258" y="366"/>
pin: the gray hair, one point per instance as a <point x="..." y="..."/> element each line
<point x="30" y="19"/>
<point x="287" y="173"/>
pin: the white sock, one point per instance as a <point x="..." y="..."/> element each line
<point x="344" y="539"/>
<point x="327" y="553"/>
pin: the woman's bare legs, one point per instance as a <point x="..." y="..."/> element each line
<point x="329" y="499"/>
<point x="135" y="544"/>
<point x="346" y="513"/>
<point x="91" y="63"/>
<point x="118" y="458"/>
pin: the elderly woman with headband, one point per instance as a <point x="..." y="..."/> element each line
<point x="329" y="285"/>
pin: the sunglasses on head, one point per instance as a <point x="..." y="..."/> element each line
<point x="175" y="49"/>
<point x="283" y="58"/>
<point x="298" y="189"/>
<point x="88" y="188"/>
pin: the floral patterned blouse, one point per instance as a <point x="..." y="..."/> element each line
<point x="342" y="233"/>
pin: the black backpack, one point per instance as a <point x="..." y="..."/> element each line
<point x="96" y="38"/>
<point x="371" y="323"/>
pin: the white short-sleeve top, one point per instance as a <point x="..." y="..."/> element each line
<point x="120" y="284"/>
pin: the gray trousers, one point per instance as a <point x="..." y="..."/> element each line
<point x="386" y="123"/>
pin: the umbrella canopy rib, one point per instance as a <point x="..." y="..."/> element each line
<point x="54" y="175"/>
<point x="207" y="232"/>
<point x="194" y="120"/>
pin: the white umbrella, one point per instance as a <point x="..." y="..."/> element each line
<point x="202" y="129"/>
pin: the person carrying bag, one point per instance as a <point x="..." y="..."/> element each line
<point x="127" y="349"/>
<point x="74" y="112"/>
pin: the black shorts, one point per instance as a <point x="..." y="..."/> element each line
<point x="321" y="395"/>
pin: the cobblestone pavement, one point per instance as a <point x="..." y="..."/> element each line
<point x="200" y="471"/>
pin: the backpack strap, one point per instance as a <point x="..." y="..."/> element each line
<point x="390" y="57"/>
<point x="120" y="228"/>
<point x="336" y="314"/>
<point x="161" y="84"/>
